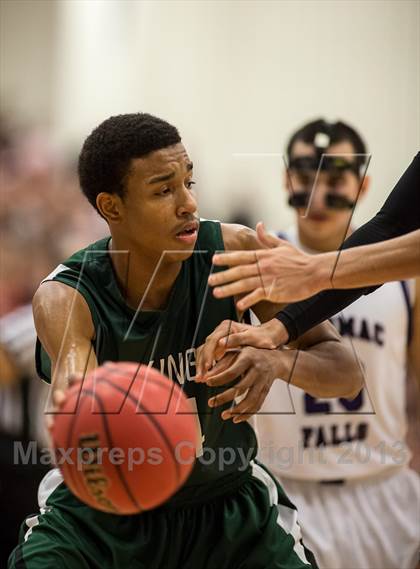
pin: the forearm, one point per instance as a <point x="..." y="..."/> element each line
<point x="72" y="363"/>
<point x="327" y="369"/>
<point x="369" y="265"/>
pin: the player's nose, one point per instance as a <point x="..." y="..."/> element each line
<point x="317" y="201"/>
<point x="188" y="203"/>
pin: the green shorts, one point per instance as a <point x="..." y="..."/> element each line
<point x="253" y="527"/>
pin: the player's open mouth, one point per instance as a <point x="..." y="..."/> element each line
<point x="188" y="233"/>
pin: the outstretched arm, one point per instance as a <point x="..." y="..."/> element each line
<point x="284" y="273"/>
<point x="398" y="216"/>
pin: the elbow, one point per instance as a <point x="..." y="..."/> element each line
<point x="353" y="390"/>
<point x="350" y="380"/>
<point x="345" y="388"/>
<point x="353" y="377"/>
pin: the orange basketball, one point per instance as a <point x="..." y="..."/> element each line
<point x="125" y="439"/>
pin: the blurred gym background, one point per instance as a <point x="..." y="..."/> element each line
<point x="236" y="77"/>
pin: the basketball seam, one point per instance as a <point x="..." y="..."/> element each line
<point x="155" y="423"/>
<point x="116" y="372"/>
<point x="109" y="440"/>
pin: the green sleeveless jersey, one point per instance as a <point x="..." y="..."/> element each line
<point x="167" y="339"/>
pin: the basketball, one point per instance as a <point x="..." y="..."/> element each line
<point x="125" y="439"/>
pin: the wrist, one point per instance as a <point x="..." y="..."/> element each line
<point x="322" y="267"/>
<point x="277" y="331"/>
<point x="284" y="361"/>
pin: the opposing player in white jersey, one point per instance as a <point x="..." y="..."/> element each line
<point x="345" y="463"/>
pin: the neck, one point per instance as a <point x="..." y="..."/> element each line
<point x="322" y="244"/>
<point x="135" y="270"/>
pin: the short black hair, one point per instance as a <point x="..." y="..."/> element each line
<point x="105" y="157"/>
<point x="337" y="132"/>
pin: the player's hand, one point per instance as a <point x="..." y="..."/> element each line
<point x="230" y="334"/>
<point x="279" y="272"/>
<point x="257" y="369"/>
<point x="215" y="346"/>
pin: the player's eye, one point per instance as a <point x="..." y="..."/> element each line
<point x="164" y="192"/>
<point x="189" y="184"/>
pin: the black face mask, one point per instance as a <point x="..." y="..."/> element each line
<point x="325" y="163"/>
<point x="306" y="168"/>
<point x="332" y="200"/>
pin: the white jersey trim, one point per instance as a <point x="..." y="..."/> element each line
<point x="286" y="517"/>
<point x="59" y="269"/>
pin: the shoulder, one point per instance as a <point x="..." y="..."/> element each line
<point x="91" y="253"/>
<point x="239" y="237"/>
<point x="228" y="236"/>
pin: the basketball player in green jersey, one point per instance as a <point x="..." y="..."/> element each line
<point x="141" y="295"/>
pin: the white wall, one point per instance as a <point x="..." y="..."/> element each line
<point x="27" y="38"/>
<point x="239" y="77"/>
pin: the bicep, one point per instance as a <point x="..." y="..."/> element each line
<point x="65" y="329"/>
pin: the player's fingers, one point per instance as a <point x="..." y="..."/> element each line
<point x="252" y="298"/>
<point x="49" y="421"/>
<point x="236" y="369"/>
<point x="223" y="364"/>
<point x="205" y="359"/>
<point x="206" y="355"/>
<point x="250" y="404"/>
<point x="59" y="396"/>
<point x="266" y="239"/>
<point x="229" y="395"/>
<point x="211" y="350"/>
<point x="239" y="287"/>
<point x="52" y="408"/>
<point x="233" y="258"/>
<point x="246" y="405"/>
<point x="232" y="275"/>
<point x="233" y="340"/>
<point x="255" y="336"/>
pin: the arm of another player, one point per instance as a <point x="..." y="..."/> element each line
<point x="283" y="273"/>
<point x="320" y="363"/>
<point x="64" y="326"/>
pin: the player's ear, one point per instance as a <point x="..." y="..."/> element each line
<point x="109" y="206"/>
